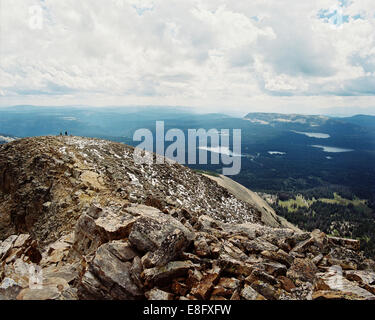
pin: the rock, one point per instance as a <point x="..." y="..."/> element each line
<point x="279" y="256"/>
<point x="22" y="241"/>
<point x="317" y="259"/>
<point x="233" y="266"/>
<point x="202" y="249"/>
<point x="113" y="274"/>
<point x="226" y="287"/>
<point x="92" y="232"/>
<point x="47" y="293"/>
<point x="347" y="259"/>
<point x="179" y="287"/>
<point x="302" y="270"/>
<point x="157" y="294"/>
<point x="136" y="271"/>
<point x="273" y="268"/>
<point x="361" y="276"/>
<point x="257" y="274"/>
<point x="304" y="245"/>
<point x="19" y="271"/>
<point x="350" y="244"/>
<point x="204" y="288"/>
<point x="233" y="251"/>
<point x="249" y="230"/>
<point x="122" y="250"/>
<point x="365" y="278"/>
<point x="335" y="281"/>
<point x="213" y="297"/>
<point x="286" y="283"/>
<point x="266" y="290"/>
<point x="171" y="248"/>
<point x="249" y="293"/>
<point x="68" y="272"/>
<point x="257" y="246"/>
<point x="151" y="229"/>
<point x="194" y="276"/>
<point x="335" y="295"/>
<point x="115" y="226"/>
<point x="6" y="245"/>
<point x="229" y="283"/>
<point x="164" y="275"/>
<point x="52" y="289"/>
<point x="9" y="289"/>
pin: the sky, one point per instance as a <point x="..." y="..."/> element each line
<point x="212" y="55"/>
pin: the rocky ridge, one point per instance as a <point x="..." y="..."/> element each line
<point x="79" y="220"/>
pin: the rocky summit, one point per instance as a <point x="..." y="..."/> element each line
<point x="80" y="220"/>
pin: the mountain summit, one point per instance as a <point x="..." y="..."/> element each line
<point x="80" y="220"/>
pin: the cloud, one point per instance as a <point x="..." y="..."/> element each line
<point x="189" y="52"/>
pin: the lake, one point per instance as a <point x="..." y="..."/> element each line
<point x="221" y="150"/>
<point x="318" y="135"/>
<point x="332" y="149"/>
<point x="276" y="152"/>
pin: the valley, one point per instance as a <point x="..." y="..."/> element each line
<point x="317" y="162"/>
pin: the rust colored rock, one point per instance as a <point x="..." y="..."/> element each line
<point x="204" y="288"/>
<point x="286" y="283"/>
<point x="302" y="270"/>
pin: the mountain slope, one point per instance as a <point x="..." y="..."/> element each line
<point x="268" y="215"/>
<point x="79" y="220"/>
<point x="59" y="176"/>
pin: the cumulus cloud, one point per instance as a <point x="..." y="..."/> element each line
<point x="276" y="54"/>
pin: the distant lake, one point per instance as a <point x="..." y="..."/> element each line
<point x="276" y="152"/>
<point x="332" y="149"/>
<point x="318" y="135"/>
<point x="221" y="150"/>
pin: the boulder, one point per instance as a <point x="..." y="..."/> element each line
<point x="279" y="256"/>
<point x="171" y="247"/>
<point x="257" y="274"/>
<point x="249" y="293"/>
<point x="258" y="245"/>
<point x="273" y="268"/>
<point x="350" y="244"/>
<point x="154" y="230"/>
<point x="165" y="274"/>
<point x="286" y="283"/>
<point x="347" y="259"/>
<point x="335" y="281"/>
<point x="113" y="276"/>
<point x="98" y="226"/>
<point x="266" y="290"/>
<point x="51" y="289"/>
<point x="302" y="270"/>
<point x="203" y="289"/>
<point x="234" y="266"/>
